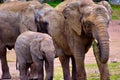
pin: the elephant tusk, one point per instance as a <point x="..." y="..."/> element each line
<point x="96" y="41"/>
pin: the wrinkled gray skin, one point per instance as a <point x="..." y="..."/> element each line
<point x="38" y="48"/>
<point x="15" y="18"/>
<point x="84" y="22"/>
<point x="12" y="24"/>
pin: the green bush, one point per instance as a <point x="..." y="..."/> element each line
<point x="115" y="12"/>
<point x="54" y="3"/>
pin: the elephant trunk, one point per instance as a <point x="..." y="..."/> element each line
<point x="103" y="41"/>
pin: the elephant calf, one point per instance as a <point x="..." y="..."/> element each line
<point x="35" y="47"/>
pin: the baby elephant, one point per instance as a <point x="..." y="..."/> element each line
<point x="33" y="47"/>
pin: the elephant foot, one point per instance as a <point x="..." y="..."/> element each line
<point x="33" y="77"/>
<point x="6" y="76"/>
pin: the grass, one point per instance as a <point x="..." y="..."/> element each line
<point x="58" y="75"/>
<point x="115" y="71"/>
<point x="92" y="72"/>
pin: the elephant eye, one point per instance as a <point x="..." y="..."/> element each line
<point x="65" y="17"/>
<point x="43" y="52"/>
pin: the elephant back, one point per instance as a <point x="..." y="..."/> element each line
<point x="18" y="6"/>
<point x="60" y="7"/>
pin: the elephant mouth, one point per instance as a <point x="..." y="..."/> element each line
<point x="97" y="45"/>
<point x="90" y="35"/>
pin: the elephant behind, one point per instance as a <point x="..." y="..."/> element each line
<point x="10" y="28"/>
<point x="82" y="22"/>
<point x="38" y="48"/>
<point x="13" y="21"/>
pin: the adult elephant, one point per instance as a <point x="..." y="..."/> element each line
<point x="85" y="21"/>
<point x="94" y="20"/>
<point x="13" y="22"/>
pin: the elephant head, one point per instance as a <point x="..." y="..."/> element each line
<point x="92" y="20"/>
<point x="40" y="22"/>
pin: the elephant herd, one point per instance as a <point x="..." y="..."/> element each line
<point x="39" y="33"/>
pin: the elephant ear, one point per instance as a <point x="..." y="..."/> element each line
<point x="107" y="6"/>
<point x="72" y="17"/>
<point x="35" y="48"/>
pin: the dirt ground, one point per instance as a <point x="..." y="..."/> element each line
<point x="114" y="32"/>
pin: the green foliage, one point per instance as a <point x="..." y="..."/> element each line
<point x="115" y="12"/>
<point x="115" y="7"/>
<point x="55" y="3"/>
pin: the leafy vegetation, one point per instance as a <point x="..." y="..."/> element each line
<point x="55" y="3"/>
<point x="115" y="12"/>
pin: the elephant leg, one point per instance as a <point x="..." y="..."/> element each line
<point x="79" y="56"/>
<point x="103" y="68"/>
<point x="49" y="65"/>
<point x="39" y="67"/>
<point x="65" y="66"/>
<point x="33" y="72"/>
<point x="40" y="70"/>
<point x="81" y="74"/>
<point x="74" y="73"/>
<point x="23" y="71"/>
<point x="104" y="71"/>
<point x="4" y="64"/>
